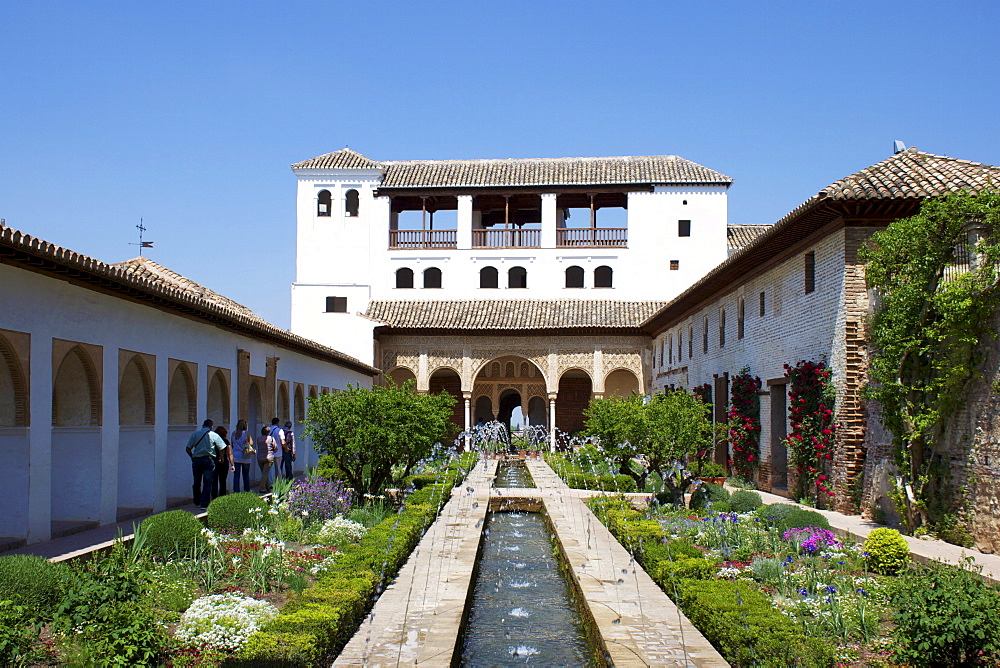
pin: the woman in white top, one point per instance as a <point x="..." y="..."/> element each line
<point x="242" y="456"/>
<point x="267" y="448"/>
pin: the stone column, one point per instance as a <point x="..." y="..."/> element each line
<point x="552" y="422"/>
<point x="467" y="398"/>
<point x="548" y="220"/>
<point x="423" y="377"/>
<point x="464" y="222"/>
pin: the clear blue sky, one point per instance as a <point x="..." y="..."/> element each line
<point x="187" y="114"/>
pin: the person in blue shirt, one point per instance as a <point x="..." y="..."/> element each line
<point x="203" y="446"/>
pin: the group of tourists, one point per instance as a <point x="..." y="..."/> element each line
<point x="214" y="457"/>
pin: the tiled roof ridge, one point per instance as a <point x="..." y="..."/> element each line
<point x="511" y="314"/>
<point x="170" y="276"/>
<point x="815" y="203"/>
<point x="452" y="161"/>
<point x="141" y="277"/>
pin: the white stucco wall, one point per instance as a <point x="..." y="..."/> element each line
<point x="88" y="472"/>
<point x="349" y="257"/>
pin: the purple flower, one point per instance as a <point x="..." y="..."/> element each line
<point x="804" y="592"/>
<point x="830" y="589"/>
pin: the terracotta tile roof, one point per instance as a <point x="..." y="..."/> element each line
<point x="345" y="158"/>
<point x="913" y="173"/>
<point x="146" y="281"/>
<point x="157" y="272"/>
<point x="897" y="184"/>
<point x="622" y="170"/>
<point x="739" y="236"/>
<point x="511" y="314"/>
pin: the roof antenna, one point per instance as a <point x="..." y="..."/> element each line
<point x="142" y="244"/>
<point x="898" y="146"/>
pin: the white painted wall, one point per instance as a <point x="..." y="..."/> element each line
<point x="87" y="472"/>
<point x="349" y="256"/>
<point x="796" y="326"/>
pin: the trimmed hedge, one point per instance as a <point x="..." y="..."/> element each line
<point x="173" y="533"/>
<point x="738" y="619"/>
<point x="744" y="501"/>
<point x="800" y="517"/>
<point x="232" y="512"/>
<point x="574" y="476"/>
<point x="707" y="493"/>
<point x="746" y="628"/>
<point x="315" y="625"/>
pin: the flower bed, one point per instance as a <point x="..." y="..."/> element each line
<point x="769" y="594"/>
<point x="576" y="477"/>
<point x="286" y="581"/>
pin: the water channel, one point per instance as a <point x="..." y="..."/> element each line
<point x="522" y="609"/>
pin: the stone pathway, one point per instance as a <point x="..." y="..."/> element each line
<point x="417" y="618"/>
<point x="639" y="624"/>
<point x="923" y="551"/>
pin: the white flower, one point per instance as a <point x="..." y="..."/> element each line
<point x="223" y="621"/>
<point x="338" y="529"/>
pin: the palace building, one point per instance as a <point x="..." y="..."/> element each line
<point x="509" y="283"/>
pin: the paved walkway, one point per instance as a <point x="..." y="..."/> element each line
<point x="417" y="618"/>
<point x="637" y="621"/>
<point x="923" y="551"/>
<point x="84" y="542"/>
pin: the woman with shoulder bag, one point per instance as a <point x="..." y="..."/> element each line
<point x="243" y="452"/>
<point x="267" y="448"/>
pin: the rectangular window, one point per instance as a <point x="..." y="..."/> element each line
<point x="691" y="342"/>
<point x="675" y="265"/>
<point x="683" y="228"/>
<point x="722" y="328"/>
<point x="762" y="305"/>
<point x="704" y="337"/>
<point x="810" y="272"/>
<point x="740" y="319"/>
<point x="336" y="304"/>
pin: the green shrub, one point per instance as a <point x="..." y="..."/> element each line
<point x="951" y="530"/>
<point x="710" y="493"/>
<point x="19" y="631"/>
<point x="421" y="480"/>
<point x="888" y="553"/>
<point x="746" y="628"/>
<point x="800" y="517"/>
<point x="767" y="569"/>
<point x="173" y="533"/>
<point x="775" y="513"/>
<point x="947" y="616"/>
<point x="671" y="551"/>
<point x="744" y="501"/>
<point x="690" y="568"/>
<point x="232" y="512"/>
<point x="608" y="483"/>
<point x="710" y="470"/>
<point x="33" y="582"/>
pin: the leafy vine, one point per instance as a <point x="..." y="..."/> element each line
<point x="935" y="276"/>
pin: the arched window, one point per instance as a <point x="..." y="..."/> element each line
<point x="574" y="277"/>
<point x="602" y="277"/>
<point x="404" y="278"/>
<point x="489" y="278"/>
<point x="135" y="394"/>
<point x="351" y="202"/>
<point x="722" y="327"/>
<point x="508" y="370"/>
<point x="13" y="388"/>
<point x="323" y="203"/>
<point x="517" y="277"/>
<point x="739" y="319"/>
<point x="76" y="391"/>
<point x="432" y="277"/>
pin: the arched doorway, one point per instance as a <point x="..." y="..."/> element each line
<point x="509" y="400"/>
<point x="447" y="380"/>
<point x="484" y="410"/>
<point x="400" y="375"/>
<point x="507" y="384"/>
<point x="575" y="390"/>
<point x="136" y="439"/>
<point x="76" y="441"/>
<point x="218" y="398"/>
<point x="621" y="383"/>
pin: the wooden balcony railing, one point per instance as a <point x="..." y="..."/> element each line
<point x="601" y="237"/>
<point x="506" y="238"/>
<point x="423" y="239"/>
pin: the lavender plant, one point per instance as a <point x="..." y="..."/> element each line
<point x="318" y="499"/>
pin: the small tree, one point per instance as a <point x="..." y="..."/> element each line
<point x="669" y="430"/>
<point x="368" y="431"/>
